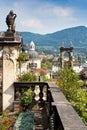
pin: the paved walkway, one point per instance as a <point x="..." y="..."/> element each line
<point x="41" y="120"/>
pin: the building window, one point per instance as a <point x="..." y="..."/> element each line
<point x="32" y="65"/>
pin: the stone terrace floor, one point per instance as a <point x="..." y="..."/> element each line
<point x="41" y="119"/>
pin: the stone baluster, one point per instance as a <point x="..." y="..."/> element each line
<point x="41" y="93"/>
<point x="17" y="94"/>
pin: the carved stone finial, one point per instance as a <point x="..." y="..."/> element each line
<point x="62" y="44"/>
<point x="10" y="21"/>
<point x="71" y="44"/>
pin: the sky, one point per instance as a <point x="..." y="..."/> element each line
<point x="44" y="16"/>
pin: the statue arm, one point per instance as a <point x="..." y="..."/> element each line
<point x="14" y="16"/>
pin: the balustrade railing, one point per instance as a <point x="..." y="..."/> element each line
<point x="39" y="90"/>
<point x="60" y="114"/>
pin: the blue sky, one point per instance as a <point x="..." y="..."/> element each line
<point x="44" y="16"/>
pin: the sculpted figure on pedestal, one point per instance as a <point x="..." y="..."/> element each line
<point x="10" y="21"/>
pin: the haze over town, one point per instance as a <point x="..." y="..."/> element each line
<point x="46" y="16"/>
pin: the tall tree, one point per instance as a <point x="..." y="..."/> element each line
<point x="72" y="88"/>
<point x="70" y="82"/>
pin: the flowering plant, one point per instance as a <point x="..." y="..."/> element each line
<point x="6" y="121"/>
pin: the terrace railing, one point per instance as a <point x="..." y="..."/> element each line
<point x="60" y="113"/>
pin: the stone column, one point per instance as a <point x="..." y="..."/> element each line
<point x="62" y="59"/>
<point x="10" y="54"/>
<point x="71" y="58"/>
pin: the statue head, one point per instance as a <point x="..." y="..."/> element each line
<point x="11" y="12"/>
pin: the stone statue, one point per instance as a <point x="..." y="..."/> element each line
<point x="10" y="21"/>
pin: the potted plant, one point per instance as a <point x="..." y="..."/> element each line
<point x="25" y="99"/>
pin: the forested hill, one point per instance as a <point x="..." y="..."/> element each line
<point x="76" y="35"/>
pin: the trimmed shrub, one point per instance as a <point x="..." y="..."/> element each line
<point x="25" y="121"/>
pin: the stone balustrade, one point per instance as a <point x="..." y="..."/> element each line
<point x="61" y="114"/>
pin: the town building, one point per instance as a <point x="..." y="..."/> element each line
<point x="33" y="60"/>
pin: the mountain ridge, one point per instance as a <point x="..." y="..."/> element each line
<point x="51" y="42"/>
<point x="77" y="35"/>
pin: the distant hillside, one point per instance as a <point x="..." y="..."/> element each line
<point x="76" y="35"/>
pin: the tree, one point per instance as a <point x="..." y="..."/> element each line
<point x="69" y="81"/>
<point x="72" y="89"/>
<point x="30" y="76"/>
<point x="21" y="59"/>
<point x="46" y="64"/>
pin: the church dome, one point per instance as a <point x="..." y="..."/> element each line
<point x="32" y="53"/>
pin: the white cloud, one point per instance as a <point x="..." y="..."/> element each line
<point x="35" y="23"/>
<point x="42" y="17"/>
<point x="55" y="10"/>
<point x="61" y="11"/>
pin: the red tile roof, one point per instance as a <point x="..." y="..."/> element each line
<point x="41" y="71"/>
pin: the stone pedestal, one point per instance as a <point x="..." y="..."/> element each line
<point x="10" y="45"/>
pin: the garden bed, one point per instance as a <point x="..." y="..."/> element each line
<point x="7" y="120"/>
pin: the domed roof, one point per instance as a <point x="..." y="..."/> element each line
<point x="32" y="53"/>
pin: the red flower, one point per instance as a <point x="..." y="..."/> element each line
<point x="21" y="108"/>
<point x="7" y="122"/>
